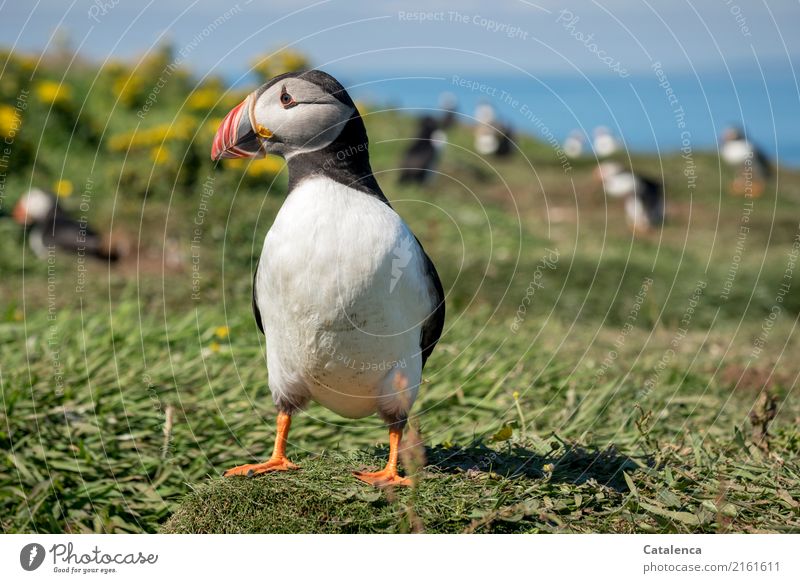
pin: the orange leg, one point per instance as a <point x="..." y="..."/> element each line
<point x="278" y="462"/>
<point x="388" y="476"/>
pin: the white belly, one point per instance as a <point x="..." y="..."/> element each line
<point x="736" y="152"/>
<point x="342" y="296"/>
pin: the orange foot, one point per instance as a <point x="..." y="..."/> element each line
<point x="386" y="477"/>
<point x="279" y="464"/>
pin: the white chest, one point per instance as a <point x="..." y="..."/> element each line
<point x="622" y="184"/>
<point x="342" y="296"/>
<point x="736" y="151"/>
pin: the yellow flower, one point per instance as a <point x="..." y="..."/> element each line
<point x="214" y="346"/>
<point x="114" y="67"/>
<point x="515" y="394"/>
<point x="293" y="61"/>
<point x="202" y="99"/>
<point x="128" y="89"/>
<point x="10" y="121"/>
<point x="27" y="63"/>
<point x="548" y="468"/>
<point x="63" y="188"/>
<point x="159" y="155"/>
<point x="281" y="61"/>
<point x="181" y="129"/>
<point x="264" y="167"/>
<point x="503" y="434"/>
<point x="53" y="93"/>
<point x="222" y="331"/>
<point x="209" y="129"/>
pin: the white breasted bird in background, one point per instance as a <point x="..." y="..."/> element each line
<point x="644" y="197"/>
<point x="349" y="302"/>
<point x="604" y="143"/>
<point x="573" y="145"/>
<point x="448" y="103"/>
<point x="751" y="164"/>
<point x="422" y="155"/>
<point x="51" y="227"/>
<point x="492" y="137"/>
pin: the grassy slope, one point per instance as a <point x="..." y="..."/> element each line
<point x="153" y="402"/>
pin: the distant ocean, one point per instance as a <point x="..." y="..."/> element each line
<point x="651" y="111"/>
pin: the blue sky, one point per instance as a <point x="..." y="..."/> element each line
<point x="353" y="37"/>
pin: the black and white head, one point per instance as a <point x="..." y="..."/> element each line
<point x="292" y="114"/>
<point x="732" y="134"/>
<point x="308" y="119"/>
<point x="34" y="207"/>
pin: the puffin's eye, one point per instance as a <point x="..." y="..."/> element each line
<point x="287" y="100"/>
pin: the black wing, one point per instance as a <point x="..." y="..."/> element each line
<point x="652" y="197"/>
<point x="763" y="162"/>
<point x="256" y="311"/>
<point x="418" y="159"/>
<point x="62" y="231"/>
<point x="434" y="324"/>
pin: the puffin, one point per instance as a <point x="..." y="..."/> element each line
<point x="750" y="162"/>
<point x="492" y="137"/>
<point x="422" y="156"/>
<point x="644" y="197"/>
<point x="50" y="226"/>
<point x="573" y="145"/>
<point x="350" y="304"/>
<point x="604" y="143"/>
<point x="448" y="103"/>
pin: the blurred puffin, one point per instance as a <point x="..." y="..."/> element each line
<point x="751" y="164"/>
<point x="349" y="302"/>
<point x="492" y="138"/>
<point x="50" y="226"/>
<point x="604" y="143"/>
<point x="644" y="198"/>
<point x="573" y="145"/>
<point x="422" y="156"/>
<point x="449" y="106"/>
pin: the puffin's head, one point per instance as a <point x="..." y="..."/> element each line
<point x="34" y="207"/>
<point x="291" y="114"/>
<point x="605" y="171"/>
<point x="732" y="134"/>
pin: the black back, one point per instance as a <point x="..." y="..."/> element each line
<point x="421" y="155"/>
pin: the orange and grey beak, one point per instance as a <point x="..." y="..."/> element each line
<point x="237" y="137"/>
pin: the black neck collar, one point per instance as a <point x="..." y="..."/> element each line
<point x="345" y="160"/>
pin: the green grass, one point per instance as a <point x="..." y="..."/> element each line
<point x="121" y="404"/>
<point x="513" y="488"/>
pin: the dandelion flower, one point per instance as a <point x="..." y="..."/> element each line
<point x="53" y="93"/>
<point x="222" y="331"/>
<point x="63" y="188"/>
<point x="202" y="99"/>
<point x="264" y="167"/>
<point x="10" y="121"/>
<point x="128" y="89"/>
<point x="159" y="155"/>
<point x="503" y="434"/>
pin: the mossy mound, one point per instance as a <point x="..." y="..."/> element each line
<point x="477" y="489"/>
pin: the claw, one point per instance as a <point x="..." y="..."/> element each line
<point x="385" y="478"/>
<point x="279" y="464"/>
